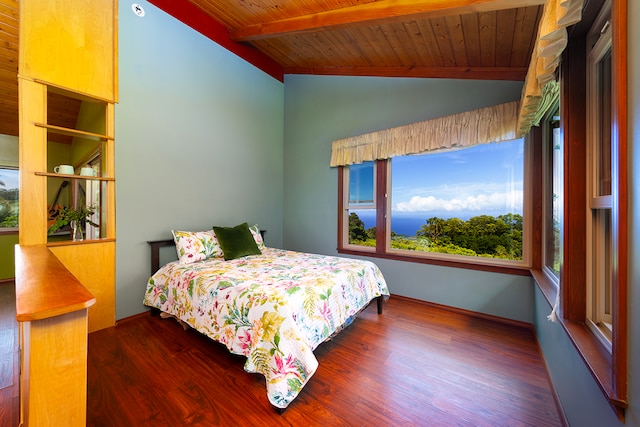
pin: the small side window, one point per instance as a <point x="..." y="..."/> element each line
<point x="9" y="187"/>
<point x="360" y="205"/>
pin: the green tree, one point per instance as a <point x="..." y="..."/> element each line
<point x="357" y="233"/>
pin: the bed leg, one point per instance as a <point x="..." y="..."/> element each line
<point x="379" y="304"/>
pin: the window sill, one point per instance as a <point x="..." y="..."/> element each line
<point x="494" y="268"/>
<point x="595" y="357"/>
<point x="8" y="231"/>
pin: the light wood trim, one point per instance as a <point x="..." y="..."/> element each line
<point x="70" y="44"/>
<point x="54" y="370"/>
<point x="81" y="242"/>
<point x="61" y="175"/>
<point x="94" y="266"/>
<point x="109" y="163"/>
<point x="372" y="13"/>
<point x="33" y="158"/>
<point x="74" y="132"/>
<point x="44" y="287"/>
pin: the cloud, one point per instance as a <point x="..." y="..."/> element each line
<point x="511" y="201"/>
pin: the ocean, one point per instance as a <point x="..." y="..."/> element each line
<point x="406" y="226"/>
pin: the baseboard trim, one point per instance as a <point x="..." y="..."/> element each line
<point x="470" y="313"/>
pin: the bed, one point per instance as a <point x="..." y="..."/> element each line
<point x="274" y="307"/>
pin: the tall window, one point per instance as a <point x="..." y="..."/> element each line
<point x="553" y="182"/>
<point x="8" y="199"/>
<point x="599" y="197"/>
<point x="593" y="286"/>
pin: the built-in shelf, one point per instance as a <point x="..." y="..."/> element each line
<point x="61" y="175"/>
<point x="79" y="242"/>
<point x="75" y="132"/>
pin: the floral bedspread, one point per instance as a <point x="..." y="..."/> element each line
<point x="274" y="308"/>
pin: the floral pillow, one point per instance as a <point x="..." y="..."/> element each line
<point x="192" y="246"/>
<point x="255" y="231"/>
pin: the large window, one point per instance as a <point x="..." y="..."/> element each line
<point x="8" y="199"/>
<point x="464" y="205"/>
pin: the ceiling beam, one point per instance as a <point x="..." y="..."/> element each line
<point x="478" y="73"/>
<point x="371" y="14"/>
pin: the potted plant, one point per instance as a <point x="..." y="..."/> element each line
<point x="75" y="218"/>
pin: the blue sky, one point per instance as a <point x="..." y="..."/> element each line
<point x="9" y="178"/>
<point x="485" y="179"/>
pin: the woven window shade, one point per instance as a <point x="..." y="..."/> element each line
<point x="540" y="86"/>
<point x="491" y="124"/>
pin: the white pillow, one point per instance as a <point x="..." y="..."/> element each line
<point x="193" y="246"/>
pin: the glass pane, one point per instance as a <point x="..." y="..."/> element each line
<point x="9" y="187"/>
<point x="554" y="193"/>
<point x="362" y="227"/>
<point x="602" y="272"/>
<point x="465" y="202"/>
<point x="603" y="144"/>
<point x="361" y="184"/>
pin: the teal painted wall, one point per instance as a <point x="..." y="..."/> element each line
<point x="321" y="109"/>
<point x="198" y="143"/>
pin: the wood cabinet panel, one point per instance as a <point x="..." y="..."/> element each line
<point x="70" y="44"/>
<point x="93" y="264"/>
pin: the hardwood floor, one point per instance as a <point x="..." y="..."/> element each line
<point x="414" y="365"/>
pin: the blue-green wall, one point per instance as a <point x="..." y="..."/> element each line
<point x="198" y="143"/>
<point x="321" y="109"/>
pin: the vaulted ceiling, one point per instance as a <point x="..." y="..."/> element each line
<point x="472" y="39"/>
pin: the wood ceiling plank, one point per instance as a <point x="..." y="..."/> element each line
<point x="488" y="25"/>
<point x="383" y="11"/>
<point x="420" y="48"/>
<point x="527" y="19"/>
<point x="443" y="38"/>
<point x="506" y="22"/>
<point x="430" y="40"/>
<point x="471" y="28"/>
<point x="457" y="40"/>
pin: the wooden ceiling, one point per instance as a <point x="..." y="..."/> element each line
<point x="9" y="67"/>
<point x="476" y="39"/>
<point x="472" y="39"/>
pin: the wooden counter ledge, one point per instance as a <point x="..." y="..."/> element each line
<point x="44" y="287"/>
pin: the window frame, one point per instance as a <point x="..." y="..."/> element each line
<point x="383" y="250"/>
<point x="609" y="369"/>
<point x="599" y="201"/>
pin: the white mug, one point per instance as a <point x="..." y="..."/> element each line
<point x="64" y="169"/>
<point x="87" y="171"/>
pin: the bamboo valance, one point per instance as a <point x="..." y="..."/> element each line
<point x="551" y="41"/>
<point x="491" y="124"/>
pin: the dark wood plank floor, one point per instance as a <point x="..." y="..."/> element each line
<point x="413" y="365"/>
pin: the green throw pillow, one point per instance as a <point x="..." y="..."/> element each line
<point x="236" y="242"/>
